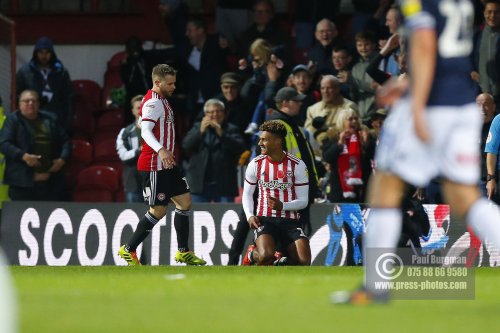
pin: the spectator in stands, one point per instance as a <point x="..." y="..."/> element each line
<point x="265" y="79"/>
<point x="46" y="75"/>
<point x="323" y="115"/>
<point x="288" y="102"/>
<point x="306" y="15"/>
<point x="302" y="81"/>
<point x="376" y="122"/>
<point x="487" y="51"/>
<point x="266" y="27"/>
<point x="36" y="149"/>
<point x="4" y="196"/>
<point x="490" y="145"/>
<point x="390" y="63"/>
<point x="321" y="52"/>
<point x="349" y="155"/>
<point x="368" y="15"/>
<point x="203" y="63"/>
<point x="128" y="147"/>
<point x="214" y="146"/>
<point x="232" y="17"/>
<point x="238" y="111"/>
<point x="362" y="85"/>
<point x="175" y="14"/>
<point x="388" y="50"/>
<point x="342" y="62"/>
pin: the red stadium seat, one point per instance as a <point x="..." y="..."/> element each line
<point x="96" y="184"/>
<point x="83" y="122"/>
<point x="88" y="91"/>
<point x="82" y="151"/>
<point x="112" y="78"/>
<point x="115" y="61"/>
<point x="92" y="196"/>
<point x="100" y="136"/>
<point x="117" y="165"/>
<point x="120" y="196"/>
<point x="71" y="172"/>
<point x="110" y="120"/>
<point x="105" y="150"/>
<point x="81" y="157"/>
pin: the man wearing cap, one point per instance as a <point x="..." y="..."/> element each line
<point x="46" y="75"/>
<point x="376" y="122"/>
<point x="238" y="110"/>
<point x="323" y="115"/>
<point x="288" y="101"/>
<point x="302" y="82"/>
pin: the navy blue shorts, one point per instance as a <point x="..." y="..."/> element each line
<point x="159" y="186"/>
<point x="284" y="231"/>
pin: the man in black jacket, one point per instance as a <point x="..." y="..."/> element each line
<point x="203" y="61"/>
<point x="35" y="150"/>
<point x="214" y="147"/>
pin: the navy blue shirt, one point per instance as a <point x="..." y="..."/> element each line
<point x="453" y="22"/>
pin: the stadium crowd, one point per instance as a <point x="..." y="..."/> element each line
<point x="238" y="66"/>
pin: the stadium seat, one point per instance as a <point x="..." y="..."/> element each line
<point x="96" y="184"/>
<point x="83" y="122"/>
<point x="81" y="157"/>
<point x="92" y="196"/>
<point x="82" y="151"/>
<point x="117" y="165"/>
<point x="120" y="196"/>
<point x="71" y="172"/>
<point x="112" y="79"/>
<point x="88" y="91"/>
<point x="99" y="136"/>
<point x="110" y="120"/>
<point x="115" y="61"/>
<point x="105" y="150"/>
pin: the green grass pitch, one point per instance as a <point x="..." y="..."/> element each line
<point x="232" y="299"/>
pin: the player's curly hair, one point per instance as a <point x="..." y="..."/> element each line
<point x="274" y="127"/>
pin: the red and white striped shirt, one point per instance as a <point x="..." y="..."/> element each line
<point x="156" y="109"/>
<point x="279" y="180"/>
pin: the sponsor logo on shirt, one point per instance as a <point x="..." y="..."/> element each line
<point x="274" y="184"/>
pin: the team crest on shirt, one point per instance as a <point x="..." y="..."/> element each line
<point x="161" y="196"/>
<point x="280" y="174"/>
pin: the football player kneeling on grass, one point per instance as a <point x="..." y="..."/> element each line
<point x="283" y="190"/>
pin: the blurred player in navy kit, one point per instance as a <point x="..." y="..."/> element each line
<point x="283" y="185"/>
<point x="163" y="180"/>
<point x="433" y="131"/>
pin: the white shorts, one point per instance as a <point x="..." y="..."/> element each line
<point x="8" y="308"/>
<point x="453" y="150"/>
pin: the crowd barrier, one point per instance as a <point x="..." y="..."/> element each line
<point x="59" y="234"/>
